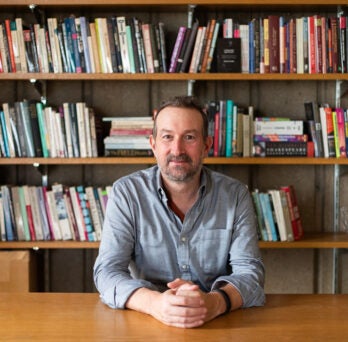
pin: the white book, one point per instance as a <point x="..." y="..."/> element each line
<point x="244" y="35"/>
<point x="80" y="111"/>
<point x="323" y="122"/>
<point x="78" y="213"/>
<point x="51" y="203"/>
<point x="62" y="213"/>
<point x="299" y="46"/>
<point x="51" y="134"/>
<point x="122" y="34"/>
<point x="285" y="127"/>
<point x="88" y="132"/>
<point x="67" y="123"/>
<point x="197" y="53"/>
<point x="278" y="211"/>
<point x="54" y="43"/>
<point x="97" y="224"/>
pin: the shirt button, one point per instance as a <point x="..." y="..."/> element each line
<point x="184" y="267"/>
<point x="183" y="239"/>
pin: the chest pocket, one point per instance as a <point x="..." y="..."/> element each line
<point x="214" y="251"/>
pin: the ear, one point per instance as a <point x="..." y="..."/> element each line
<point x="208" y="145"/>
<point x="152" y="143"/>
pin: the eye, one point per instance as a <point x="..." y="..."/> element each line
<point x="167" y="137"/>
<point x="190" y="137"/>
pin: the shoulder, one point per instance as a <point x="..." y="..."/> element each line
<point x="223" y="182"/>
<point x="140" y="180"/>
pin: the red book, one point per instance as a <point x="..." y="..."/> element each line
<point x="274" y="48"/>
<point x="10" y="44"/>
<point x="294" y="211"/>
<point x="311" y="45"/>
<point x="335" y="40"/>
<point x="318" y="44"/>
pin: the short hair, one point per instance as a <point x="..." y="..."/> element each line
<point x="189" y="102"/>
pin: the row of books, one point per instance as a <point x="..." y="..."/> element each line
<point x="34" y="213"/>
<point x="31" y="213"/>
<point x="304" y="44"/>
<point x="128" y="136"/>
<point x="278" y="214"/>
<point x="30" y="129"/>
<point x="78" y="44"/>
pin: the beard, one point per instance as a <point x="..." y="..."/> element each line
<point x="181" y="173"/>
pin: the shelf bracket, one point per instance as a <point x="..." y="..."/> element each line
<point x="39" y="14"/>
<point x="41" y="88"/>
<point x="43" y="169"/>
<point x="190" y="13"/>
<point x="190" y="86"/>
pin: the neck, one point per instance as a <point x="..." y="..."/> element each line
<point x="182" y="195"/>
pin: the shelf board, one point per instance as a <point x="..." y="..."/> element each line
<point x="151" y="161"/>
<point x="18" y="76"/>
<point x="323" y="240"/>
<point x="318" y="240"/>
<point x="170" y="2"/>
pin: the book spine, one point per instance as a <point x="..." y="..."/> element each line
<point x="177" y="47"/>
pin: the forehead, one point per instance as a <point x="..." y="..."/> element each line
<point x="176" y="116"/>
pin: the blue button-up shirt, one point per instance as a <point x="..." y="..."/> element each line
<point x="145" y="244"/>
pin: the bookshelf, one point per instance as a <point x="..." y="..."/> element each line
<point x="82" y="86"/>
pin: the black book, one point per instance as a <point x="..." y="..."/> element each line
<point x="228" y="55"/>
<point x="35" y="129"/>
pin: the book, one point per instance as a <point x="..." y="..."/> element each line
<point x="281" y="127"/>
<point x="9" y="221"/>
<point x="279" y="213"/>
<point x="228" y="55"/>
<point x="274" y="39"/>
<point x="282" y="149"/>
<point x="122" y="35"/>
<point x="268" y="215"/>
<point x="53" y="210"/>
<point x="62" y="212"/>
<point x="294" y="211"/>
<point x="177" y="48"/>
<point x="197" y="49"/>
<point x="263" y="235"/>
<point x="36" y="215"/>
<point x="78" y="213"/>
<point x="95" y="215"/>
<point x="85" y="208"/>
<point x="146" y="31"/>
<point x="313" y="118"/>
<point x="17" y="213"/>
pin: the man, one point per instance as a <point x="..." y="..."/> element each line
<point x="179" y="241"/>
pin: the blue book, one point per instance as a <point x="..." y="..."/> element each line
<point x="252" y="46"/>
<point x="229" y="128"/>
<point x="10" y="230"/>
<point x="268" y="215"/>
<point x="5" y="147"/>
<point x="86" y="213"/>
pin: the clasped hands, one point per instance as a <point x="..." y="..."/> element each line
<point x="185" y="305"/>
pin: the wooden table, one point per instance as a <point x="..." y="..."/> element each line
<point x="82" y="317"/>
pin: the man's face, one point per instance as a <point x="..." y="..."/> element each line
<point x="179" y="146"/>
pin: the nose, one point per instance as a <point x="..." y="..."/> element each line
<point x="177" y="146"/>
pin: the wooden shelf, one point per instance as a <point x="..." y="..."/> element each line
<point x="318" y="240"/>
<point x="150" y="161"/>
<point x="171" y="2"/>
<point x="18" y="76"/>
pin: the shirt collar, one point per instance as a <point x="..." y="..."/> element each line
<point x="204" y="186"/>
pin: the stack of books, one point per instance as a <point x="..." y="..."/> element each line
<point x="278" y="214"/>
<point x="280" y="137"/>
<point x="128" y="136"/>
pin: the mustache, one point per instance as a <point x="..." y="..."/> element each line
<point x="180" y="158"/>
